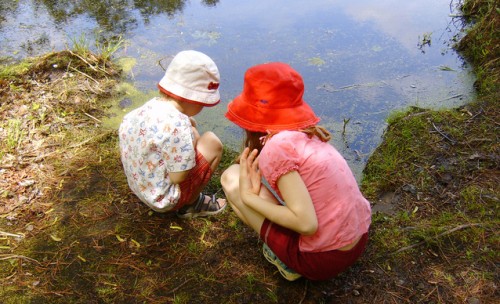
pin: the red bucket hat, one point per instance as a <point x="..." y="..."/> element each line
<point x="271" y="100"/>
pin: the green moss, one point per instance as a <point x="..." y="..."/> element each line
<point x="481" y="45"/>
<point x="13" y="71"/>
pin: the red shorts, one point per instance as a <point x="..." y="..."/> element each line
<point x="312" y="265"/>
<point x="199" y="176"/>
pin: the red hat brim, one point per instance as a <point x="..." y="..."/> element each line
<point x="253" y="118"/>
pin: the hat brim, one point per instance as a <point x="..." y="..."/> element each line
<point x="206" y="99"/>
<point x="258" y="119"/>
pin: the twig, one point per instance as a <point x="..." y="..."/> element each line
<point x="451" y="97"/>
<point x="128" y="265"/>
<point x="88" y="63"/>
<point x="38" y="158"/>
<point x="179" y="286"/>
<point x="11" y="234"/>
<point x="477" y="114"/>
<point x="84" y="74"/>
<point x="83" y="59"/>
<point x="90" y="139"/>
<point x="92" y="117"/>
<point x="442" y="134"/>
<point x="428" y="294"/>
<point x="437" y="236"/>
<point x="305" y="293"/>
<point x="16" y="256"/>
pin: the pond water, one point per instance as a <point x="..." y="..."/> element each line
<point x="360" y="60"/>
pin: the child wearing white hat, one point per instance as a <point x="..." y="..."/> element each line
<point x="166" y="161"/>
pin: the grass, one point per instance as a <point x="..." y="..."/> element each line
<point x="443" y="168"/>
<point x="105" y="47"/>
<point x="14" y="134"/>
<point x="480" y="46"/>
<point x="452" y="177"/>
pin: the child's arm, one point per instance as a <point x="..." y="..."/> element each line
<point x="179" y="177"/>
<point x="301" y="215"/>
<point x="194" y="130"/>
<point x="298" y="214"/>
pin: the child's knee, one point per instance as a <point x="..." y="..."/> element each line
<point x="230" y="179"/>
<point x="210" y="141"/>
<point x="210" y="146"/>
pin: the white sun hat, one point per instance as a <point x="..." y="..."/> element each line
<point x="192" y="77"/>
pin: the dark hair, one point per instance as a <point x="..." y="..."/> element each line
<point x="256" y="140"/>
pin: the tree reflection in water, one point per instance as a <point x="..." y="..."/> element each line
<point x="112" y="16"/>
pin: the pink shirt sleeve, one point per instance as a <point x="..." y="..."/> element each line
<point x="278" y="157"/>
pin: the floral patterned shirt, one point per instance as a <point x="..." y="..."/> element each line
<point x="155" y="139"/>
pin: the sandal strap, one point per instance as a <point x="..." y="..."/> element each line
<point x="211" y="205"/>
<point x="199" y="203"/>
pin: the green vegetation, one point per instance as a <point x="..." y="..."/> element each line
<point x="480" y="46"/>
<point x="442" y="170"/>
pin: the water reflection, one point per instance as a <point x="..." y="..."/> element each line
<point x="402" y="21"/>
<point x="360" y="59"/>
<point x="114" y="16"/>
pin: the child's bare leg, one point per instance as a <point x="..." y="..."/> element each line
<point x="210" y="146"/>
<point x="231" y="186"/>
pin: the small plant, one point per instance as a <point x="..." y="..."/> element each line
<point x="251" y="278"/>
<point x="109" y="47"/>
<point x="181" y="298"/>
<point x="14" y="134"/>
<point x="426" y="40"/>
<point x="272" y="296"/>
<point x="80" y="45"/>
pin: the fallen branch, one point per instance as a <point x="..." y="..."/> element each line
<point x="437" y="236"/>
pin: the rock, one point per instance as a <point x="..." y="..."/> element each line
<point x="410" y="188"/>
<point x="125" y="103"/>
<point x="26" y="183"/>
<point x="473" y="301"/>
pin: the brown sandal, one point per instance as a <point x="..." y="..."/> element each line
<point x="202" y="207"/>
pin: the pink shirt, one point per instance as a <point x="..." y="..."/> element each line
<point x="342" y="211"/>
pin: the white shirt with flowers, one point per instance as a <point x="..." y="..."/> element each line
<point x="155" y="139"/>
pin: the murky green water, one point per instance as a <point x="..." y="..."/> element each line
<point x="360" y="59"/>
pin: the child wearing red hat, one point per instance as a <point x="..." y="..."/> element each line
<point x="166" y="161"/>
<point x="291" y="186"/>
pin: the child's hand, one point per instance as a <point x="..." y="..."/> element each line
<point x="249" y="173"/>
